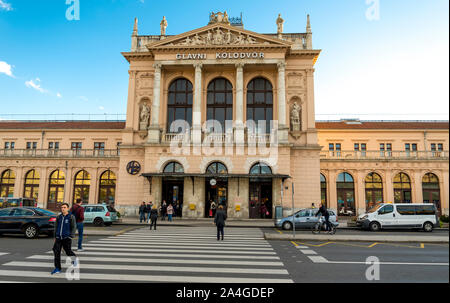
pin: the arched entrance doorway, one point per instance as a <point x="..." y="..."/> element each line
<point x="346" y="195"/>
<point x="56" y="190"/>
<point x="216" y="188"/>
<point x="260" y="192"/>
<point x="173" y="187"/>
<point x="431" y="190"/>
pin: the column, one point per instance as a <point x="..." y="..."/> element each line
<point x="311" y="119"/>
<point x="239" y="135"/>
<point x="332" y="189"/>
<point x="93" y="187"/>
<point x="417" y="191"/>
<point x="282" y="127"/>
<point x="197" y="107"/>
<point x="154" y="131"/>
<point x="68" y="185"/>
<point x="43" y="183"/>
<point x="388" y="186"/>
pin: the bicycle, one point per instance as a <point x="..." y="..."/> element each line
<point x="321" y="225"/>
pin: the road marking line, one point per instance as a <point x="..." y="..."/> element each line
<point x="422" y="245"/>
<point x="318" y="245"/>
<point x="169" y="261"/>
<point x="279" y="231"/>
<point x="318" y="259"/>
<point x="125" y="231"/>
<point x="199" y="243"/>
<point x="370" y="246"/>
<point x="206" y="247"/>
<point x="302" y="247"/>
<point x="144" y="278"/>
<point x="294" y="243"/>
<point x="156" y="255"/>
<point x="2" y="254"/>
<point x="157" y="268"/>
<point x="238" y="252"/>
<point x="308" y="252"/>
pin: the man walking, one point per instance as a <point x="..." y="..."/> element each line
<point x="142" y="209"/>
<point x="65" y="228"/>
<point x="220" y="219"/>
<point x="164" y="210"/>
<point x="170" y="212"/>
<point x="78" y="211"/>
<point x="148" y="210"/>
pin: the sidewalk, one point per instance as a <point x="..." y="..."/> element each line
<point x="359" y="238"/>
<point x="201" y="222"/>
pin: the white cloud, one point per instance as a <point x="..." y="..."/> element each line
<point x="5" y="6"/>
<point x="101" y="108"/>
<point x="35" y="85"/>
<point x="58" y="95"/>
<point x="5" y="68"/>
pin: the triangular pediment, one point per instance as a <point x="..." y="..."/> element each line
<point x="218" y="35"/>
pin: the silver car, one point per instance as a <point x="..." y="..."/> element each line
<point x="304" y="219"/>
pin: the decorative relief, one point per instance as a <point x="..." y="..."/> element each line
<point x="296" y="79"/>
<point x="145" y="81"/>
<point x="218" y="37"/>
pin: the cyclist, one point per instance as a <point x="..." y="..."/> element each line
<point x="324" y="212"/>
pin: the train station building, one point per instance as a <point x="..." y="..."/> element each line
<point x="225" y="114"/>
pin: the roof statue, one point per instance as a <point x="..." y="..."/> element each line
<point x="163" y="26"/>
<point x="219" y="18"/>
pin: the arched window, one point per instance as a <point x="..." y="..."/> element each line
<point x="220" y="102"/>
<point x="374" y="190"/>
<point x="216" y="168"/>
<point x="56" y="189"/>
<point x="7" y="181"/>
<point x="179" y="103"/>
<point x="81" y="187"/>
<point x="31" y="188"/>
<point x="323" y="190"/>
<point x="260" y="104"/>
<point x="431" y="190"/>
<point x="174" y="167"/>
<point x="260" y="169"/>
<point x="402" y="188"/>
<point x="346" y="194"/>
<point x="107" y="192"/>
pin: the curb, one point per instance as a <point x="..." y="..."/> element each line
<point x="346" y="238"/>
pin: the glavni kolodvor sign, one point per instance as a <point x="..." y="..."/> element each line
<point x="237" y="55"/>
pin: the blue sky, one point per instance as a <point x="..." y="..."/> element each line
<point x="392" y="68"/>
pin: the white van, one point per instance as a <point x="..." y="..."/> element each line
<point x="418" y="216"/>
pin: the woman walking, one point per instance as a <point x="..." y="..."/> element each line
<point x="220" y="219"/>
<point x="153" y="217"/>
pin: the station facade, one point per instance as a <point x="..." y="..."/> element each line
<point x="224" y="114"/>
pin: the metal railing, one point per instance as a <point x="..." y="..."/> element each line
<point x="58" y="153"/>
<point x="384" y="155"/>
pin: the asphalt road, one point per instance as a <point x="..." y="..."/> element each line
<point x="312" y="262"/>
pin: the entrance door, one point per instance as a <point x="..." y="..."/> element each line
<point x="217" y="193"/>
<point x="260" y="194"/>
<point x="346" y="202"/>
<point x="173" y="193"/>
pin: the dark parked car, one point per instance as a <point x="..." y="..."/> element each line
<point x="31" y="221"/>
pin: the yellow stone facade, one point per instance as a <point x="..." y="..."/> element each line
<point x="301" y="153"/>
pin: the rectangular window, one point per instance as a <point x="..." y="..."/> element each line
<point x="99" y="145"/>
<point x="338" y="146"/>
<point x="31" y="145"/>
<point x="433" y="147"/>
<point x="382" y="147"/>
<point x="77" y="145"/>
<point x="414" y="147"/>
<point x="356" y="146"/>
<point x="331" y="147"/>
<point x="389" y="147"/>
<point x="407" y="147"/>
<point x="440" y="147"/>
<point x="363" y="146"/>
<point x="118" y="148"/>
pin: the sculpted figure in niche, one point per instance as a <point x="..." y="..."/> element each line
<point x="295" y="117"/>
<point x="163" y="26"/>
<point x="144" y="117"/>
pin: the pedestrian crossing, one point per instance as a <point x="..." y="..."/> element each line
<point x="3" y="253"/>
<point x="170" y="254"/>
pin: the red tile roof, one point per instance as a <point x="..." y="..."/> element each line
<point x="385" y="125"/>
<point x="61" y="125"/>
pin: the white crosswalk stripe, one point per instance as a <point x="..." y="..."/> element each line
<point x="2" y="253"/>
<point x="170" y="254"/>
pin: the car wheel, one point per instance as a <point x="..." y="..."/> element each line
<point x="374" y="226"/>
<point x="108" y="223"/>
<point x="287" y="225"/>
<point x="98" y="222"/>
<point x="31" y="231"/>
<point x="428" y="227"/>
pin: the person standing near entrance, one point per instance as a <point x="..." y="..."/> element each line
<point x="170" y="212"/>
<point x="78" y="211"/>
<point x="263" y="210"/>
<point x="213" y="208"/>
<point x="142" y="210"/>
<point x="65" y="228"/>
<point x="219" y="220"/>
<point x="148" y="210"/>
<point x="153" y="217"/>
<point x="164" y="210"/>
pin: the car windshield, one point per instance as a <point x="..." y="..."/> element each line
<point x="375" y="208"/>
<point x="45" y="212"/>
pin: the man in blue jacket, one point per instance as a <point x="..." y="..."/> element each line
<point x="65" y="228"/>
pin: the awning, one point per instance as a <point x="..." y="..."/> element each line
<point x="248" y="176"/>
